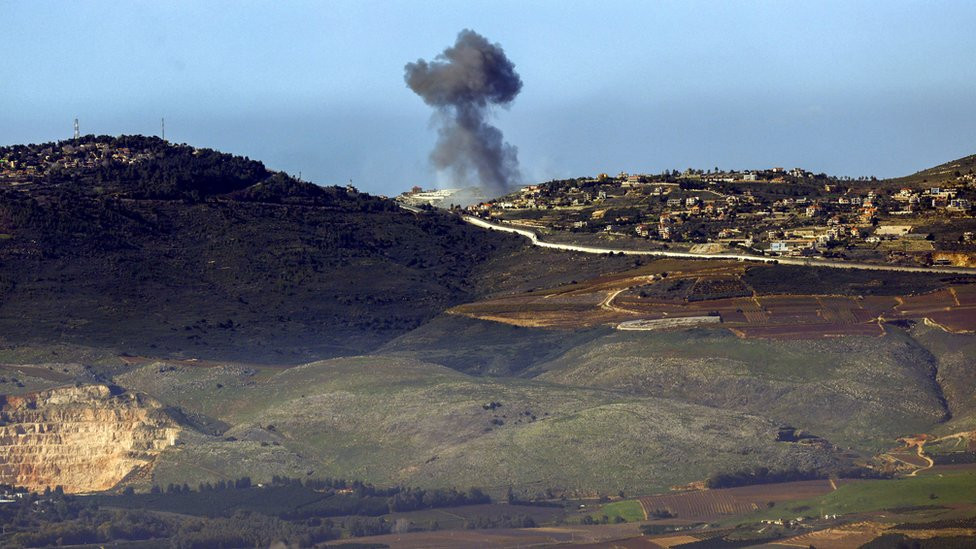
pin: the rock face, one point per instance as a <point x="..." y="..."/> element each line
<point x="82" y="438"/>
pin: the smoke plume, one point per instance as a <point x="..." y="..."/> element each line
<point x="463" y="83"/>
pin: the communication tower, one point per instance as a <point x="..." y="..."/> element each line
<point x="162" y="128"/>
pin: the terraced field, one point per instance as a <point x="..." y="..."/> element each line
<point x="952" y="309"/>
<point x="842" y="537"/>
<point x="653" y="292"/>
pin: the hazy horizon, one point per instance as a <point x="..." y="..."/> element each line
<point x="318" y="88"/>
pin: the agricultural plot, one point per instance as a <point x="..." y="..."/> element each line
<point x="843" y="537"/>
<point x="708" y="288"/>
<point x="705" y="505"/>
<point x="697" y="290"/>
<point x="667" y="542"/>
<point x="926" y="303"/>
<point x="909" y="457"/>
<point x="458" y="518"/>
<point x="630" y="510"/>
<point x="952" y="309"/>
<point x="945" y="487"/>
<point x="505" y="537"/>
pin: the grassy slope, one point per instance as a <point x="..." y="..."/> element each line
<point x="954" y="354"/>
<point x="859" y="392"/>
<point x="937" y="175"/>
<point x="398" y="420"/>
<point x="630" y="510"/>
<point x="486" y="348"/>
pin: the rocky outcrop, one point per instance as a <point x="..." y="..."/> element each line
<point x="82" y="438"/>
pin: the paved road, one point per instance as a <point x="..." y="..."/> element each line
<point x="536" y="241"/>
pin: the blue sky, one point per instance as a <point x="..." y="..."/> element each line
<point x="850" y="88"/>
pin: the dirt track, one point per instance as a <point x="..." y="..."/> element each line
<point x="918" y="443"/>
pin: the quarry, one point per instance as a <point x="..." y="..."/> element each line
<point x="84" y="439"/>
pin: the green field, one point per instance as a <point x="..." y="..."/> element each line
<point x="948" y="488"/>
<point x="629" y="509"/>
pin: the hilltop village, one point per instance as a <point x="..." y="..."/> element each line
<point x="922" y="219"/>
<point x="774" y="212"/>
<point x="23" y="164"/>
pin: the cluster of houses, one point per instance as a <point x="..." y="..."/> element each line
<point x="931" y="198"/>
<point x="688" y="206"/>
<point x="12" y="494"/>
<point x="441" y="198"/>
<point x="21" y="164"/>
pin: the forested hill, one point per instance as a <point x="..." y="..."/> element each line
<point x="139" y="167"/>
<point x="146" y="247"/>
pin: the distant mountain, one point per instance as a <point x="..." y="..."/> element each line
<point x="139" y="245"/>
<point x="941" y="174"/>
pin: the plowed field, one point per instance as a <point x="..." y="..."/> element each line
<point x="707" y="505"/>
<point x="652" y="293"/>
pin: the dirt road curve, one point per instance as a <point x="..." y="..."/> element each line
<point x="536" y="241"/>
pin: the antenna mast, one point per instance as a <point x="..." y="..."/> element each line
<point x="162" y="126"/>
<point x="77" y="129"/>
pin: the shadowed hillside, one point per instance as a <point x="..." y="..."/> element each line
<point x="135" y="244"/>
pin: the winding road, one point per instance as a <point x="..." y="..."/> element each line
<point x="536" y="241"/>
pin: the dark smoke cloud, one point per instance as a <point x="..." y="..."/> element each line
<point x="463" y="83"/>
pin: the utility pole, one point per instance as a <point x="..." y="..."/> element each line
<point x="77" y="129"/>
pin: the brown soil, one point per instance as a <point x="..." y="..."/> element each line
<point x="705" y="505"/>
<point x="613" y="299"/>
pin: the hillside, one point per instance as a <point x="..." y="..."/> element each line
<point x="145" y="247"/>
<point x="402" y="421"/>
<point x="949" y="172"/>
<point x="921" y="220"/>
<point x="290" y="329"/>
<point x="860" y="392"/>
